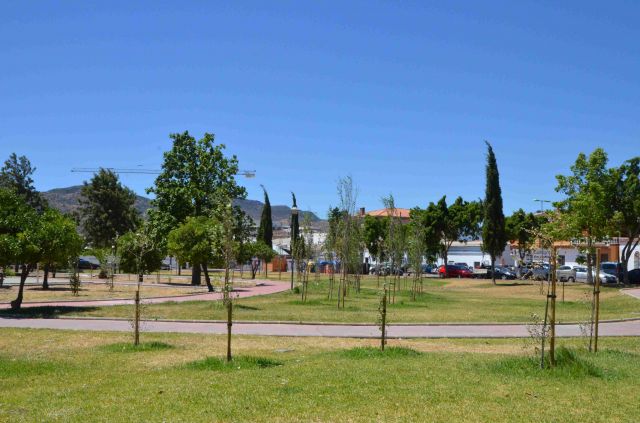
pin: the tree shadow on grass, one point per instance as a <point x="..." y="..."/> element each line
<point x="48" y="312"/>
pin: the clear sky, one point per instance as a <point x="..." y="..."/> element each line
<point x="400" y="95"/>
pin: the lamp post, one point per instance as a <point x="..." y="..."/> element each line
<point x="294" y="215"/>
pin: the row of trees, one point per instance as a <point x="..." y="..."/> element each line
<point x="30" y="231"/>
<point x="192" y="205"/>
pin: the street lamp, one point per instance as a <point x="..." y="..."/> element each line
<point x="294" y="214"/>
<point x="542" y="203"/>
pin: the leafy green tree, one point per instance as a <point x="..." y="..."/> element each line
<point x="19" y="227"/>
<point x="107" y="209"/>
<point x="442" y="225"/>
<point x="374" y="232"/>
<point x="627" y="208"/>
<point x="58" y="240"/>
<point x="520" y="227"/>
<point x="589" y="205"/>
<point x="262" y="251"/>
<point x="197" y="240"/>
<point x="196" y="179"/>
<point x="15" y="175"/>
<point x="139" y="254"/>
<point x="494" y="235"/>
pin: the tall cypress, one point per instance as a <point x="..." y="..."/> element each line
<point x="494" y="236"/>
<point x="265" y="230"/>
<point x="295" y="226"/>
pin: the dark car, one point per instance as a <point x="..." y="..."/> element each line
<point x="453" y="271"/>
<point x="612" y="268"/>
<point x="634" y="276"/>
<point x="86" y="264"/>
<point x="502" y="273"/>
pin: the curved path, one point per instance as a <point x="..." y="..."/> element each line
<point x="263" y="287"/>
<point x="619" y="328"/>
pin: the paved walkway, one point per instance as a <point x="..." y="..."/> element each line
<point x="264" y="287"/>
<point x="634" y="292"/>
<point x="623" y="328"/>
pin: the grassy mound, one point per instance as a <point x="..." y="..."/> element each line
<point x="129" y="347"/>
<point x="569" y="364"/>
<point x="371" y="352"/>
<point x="238" y="363"/>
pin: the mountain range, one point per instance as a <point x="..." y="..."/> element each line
<point x="66" y="200"/>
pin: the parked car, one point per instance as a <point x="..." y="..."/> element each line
<point x="501" y="272"/>
<point x="465" y="265"/>
<point x="634" y="276"/>
<point x="581" y="276"/>
<point x="540" y="273"/>
<point x="612" y="268"/>
<point x="86" y="264"/>
<point x="566" y="273"/>
<point x="453" y="271"/>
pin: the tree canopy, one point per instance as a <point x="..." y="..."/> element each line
<point x="107" y="209"/>
<point x="196" y="179"/>
<point x="138" y="253"/>
<point x="15" y="176"/>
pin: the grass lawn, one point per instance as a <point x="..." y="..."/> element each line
<point x="65" y="376"/>
<point x="452" y="300"/>
<point x="92" y="291"/>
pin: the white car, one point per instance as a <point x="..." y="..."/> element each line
<point x="581" y="276"/>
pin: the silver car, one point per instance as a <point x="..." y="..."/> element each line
<point x="581" y="276"/>
<point x="567" y="273"/>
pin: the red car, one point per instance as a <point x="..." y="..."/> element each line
<point x="454" y="271"/>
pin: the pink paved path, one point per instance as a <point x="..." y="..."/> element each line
<point x="265" y="287"/>
<point x="624" y="328"/>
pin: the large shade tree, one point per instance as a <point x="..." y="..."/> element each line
<point x="494" y="235"/>
<point x="444" y="224"/>
<point x="196" y="179"/>
<point x="627" y="208"/>
<point x="107" y="209"/>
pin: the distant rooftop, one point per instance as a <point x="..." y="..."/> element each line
<point x="402" y="213"/>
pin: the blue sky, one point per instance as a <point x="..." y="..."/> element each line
<point x="399" y="95"/>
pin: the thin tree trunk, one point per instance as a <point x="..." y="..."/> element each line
<point x="493" y="270"/>
<point x="45" y="279"/>
<point x="17" y="303"/>
<point x="141" y="277"/>
<point x="195" y="275"/>
<point x="207" y="279"/>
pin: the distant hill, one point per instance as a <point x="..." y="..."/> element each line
<point x="66" y="200"/>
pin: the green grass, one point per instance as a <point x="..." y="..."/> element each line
<point x="127" y="347"/>
<point x="237" y="363"/>
<point x="69" y="376"/>
<point x="441" y="301"/>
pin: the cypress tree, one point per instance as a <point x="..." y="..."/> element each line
<point x="265" y="230"/>
<point x="494" y="236"/>
<point x="295" y="226"/>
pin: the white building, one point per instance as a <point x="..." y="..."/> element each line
<point x="471" y="254"/>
